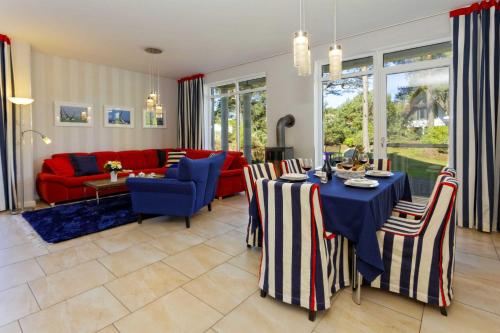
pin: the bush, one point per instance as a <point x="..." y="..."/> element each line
<point x="436" y="135"/>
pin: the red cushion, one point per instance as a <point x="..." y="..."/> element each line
<point x="104" y="156"/>
<point x="132" y="159"/>
<point x="60" y="166"/>
<point x="66" y="155"/>
<point x="227" y="162"/>
<point x="151" y="158"/>
<point x="197" y="153"/>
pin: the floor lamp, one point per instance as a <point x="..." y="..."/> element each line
<point x="22" y="102"/>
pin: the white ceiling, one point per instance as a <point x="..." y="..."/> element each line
<point x="196" y="35"/>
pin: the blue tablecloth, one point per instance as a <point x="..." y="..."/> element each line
<point x="357" y="214"/>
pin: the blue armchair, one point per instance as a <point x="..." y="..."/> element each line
<point x="181" y="194"/>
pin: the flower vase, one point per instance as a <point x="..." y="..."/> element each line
<point x="114" y="176"/>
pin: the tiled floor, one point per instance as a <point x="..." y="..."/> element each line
<point x="161" y="277"/>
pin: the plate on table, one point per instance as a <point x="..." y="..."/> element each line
<point x="294" y="177"/>
<point x="361" y="183"/>
<point x="379" y="173"/>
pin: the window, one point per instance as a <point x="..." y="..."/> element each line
<point x="391" y="104"/>
<point x="238" y="117"/>
<point x="347" y="107"/>
<point x="417" y="113"/>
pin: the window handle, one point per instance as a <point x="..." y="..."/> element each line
<point x="382" y="142"/>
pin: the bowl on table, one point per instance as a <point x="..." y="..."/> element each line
<point x="357" y="171"/>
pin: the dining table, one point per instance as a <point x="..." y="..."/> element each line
<point x="357" y="214"/>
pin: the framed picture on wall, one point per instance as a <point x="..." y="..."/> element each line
<point x="118" y="116"/>
<point x="73" y="114"/>
<point x="154" y="119"/>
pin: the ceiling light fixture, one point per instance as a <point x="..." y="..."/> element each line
<point x="335" y="53"/>
<point x="301" y="49"/>
<point x="153" y="102"/>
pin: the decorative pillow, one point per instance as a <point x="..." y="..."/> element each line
<point x="174" y="157"/>
<point x="227" y="162"/>
<point x="84" y="165"/>
<point x="60" y="166"/>
<point x="162" y="157"/>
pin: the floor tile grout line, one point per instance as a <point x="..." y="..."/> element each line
<point x="477" y="308"/>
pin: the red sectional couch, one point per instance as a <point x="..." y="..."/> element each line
<point x="57" y="181"/>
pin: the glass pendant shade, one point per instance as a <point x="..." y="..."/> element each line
<point x="301" y="53"/>
<point x="335" y="59"/>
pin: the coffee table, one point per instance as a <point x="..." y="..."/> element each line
<point x="104" y="184"/>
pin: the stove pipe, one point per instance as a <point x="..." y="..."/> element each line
<point x="286" y="121"/>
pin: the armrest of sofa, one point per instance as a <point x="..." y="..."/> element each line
<point x="231" y="173"/>
<point x="172" y="173"/>
<point x="50" y="177"/>
<point x="165" y="185"/>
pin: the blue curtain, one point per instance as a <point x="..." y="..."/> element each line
<point x="190" y="112"/>
<point x="475" y="117"/>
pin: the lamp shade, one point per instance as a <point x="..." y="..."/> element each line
<point x="21" y="100"/>
<point x="335" y="59"/>
<point x="301" y="53"/>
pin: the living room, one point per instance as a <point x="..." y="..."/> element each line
<point x="164" y="161"/>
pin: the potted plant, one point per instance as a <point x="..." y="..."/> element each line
<point x="113" y="167"/>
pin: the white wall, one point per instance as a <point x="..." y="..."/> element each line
<point x="60" y="79"/>
<point x="289" y="93"/>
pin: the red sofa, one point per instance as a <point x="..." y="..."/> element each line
<point x="57" y="181"/>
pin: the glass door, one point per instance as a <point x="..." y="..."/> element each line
<point x="416" y="113"/>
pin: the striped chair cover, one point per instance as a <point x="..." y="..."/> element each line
<point x="292" y="166"/>
<point x="301" y="263"/>
<point x="381" y="164"/>
<point x="251" y="173"/>
<point x="418" y="255"/>
<point x="414" y="210"/>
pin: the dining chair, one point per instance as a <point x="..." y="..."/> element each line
<point x="301" y="264"/>
<point x="418" y="255"/>
<point x="292" y="166"/>
<point x="251" y="173"/>
<point x="381" y="164"/>
<point x="413" y="210"/>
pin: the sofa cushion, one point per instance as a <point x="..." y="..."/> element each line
<point x="104" y="156"/>
<point x="228" y="162"/>
<point x="66" y="155"/>
<point x="151" y="157"/>
<point x="174" y="157"/>
<point x="60" y="166"/>
<point x="84" y="165"/>
<point x="132" y="159"/>
<point x="162" y="157"/>
<point x="195" y="154"/>
<point x="216" y="163"/>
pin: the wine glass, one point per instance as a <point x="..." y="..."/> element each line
<point x="307" y="164"/>
<point x="347" y="162"/>
<point x="363" y="158"/>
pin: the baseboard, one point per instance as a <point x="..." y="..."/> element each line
<point x="31" y="203"/>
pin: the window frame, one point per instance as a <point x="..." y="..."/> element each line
<point x="379" y="92"/>
<point x="207" y="138"/>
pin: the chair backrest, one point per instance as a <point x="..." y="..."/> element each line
<point x="437" y="244"/>
<point x="450" y="171"/>
<point x="295" y="251"/>
<point x="197" y="172"/>
<point x="292" y="166"/>
<point x="381" y="164"/>
<point x="216" y="163"/>
<point x="252" y="172"/>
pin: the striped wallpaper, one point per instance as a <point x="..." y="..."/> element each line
<point x="60" y="79"/>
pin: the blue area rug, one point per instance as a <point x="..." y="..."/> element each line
<point x="63" y="222"/>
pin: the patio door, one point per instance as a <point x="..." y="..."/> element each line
<point x="414" y="115"/>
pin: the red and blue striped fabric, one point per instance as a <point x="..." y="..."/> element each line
<point x="418" y="255"/>
<point x="382" y="164"/>
<point x="251" y="173"/>
<point x="412" y="210"/>
<point x="292" y="166"/>
<point x="301" y="263"/>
